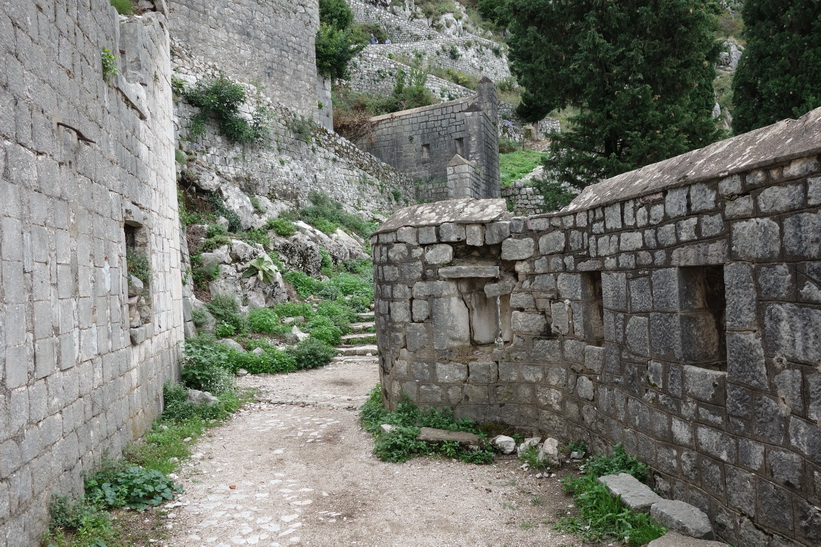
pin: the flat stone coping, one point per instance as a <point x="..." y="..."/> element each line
<point x="461" y="211"/>
<point x="781" y="142"/>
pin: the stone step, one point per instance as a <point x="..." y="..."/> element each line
<point x="674" y="539"/>
<point x="363" y="326"/>
<point x="359" y="338"/>
<point x="368" y="359"/>
<point x="369" y="349"/>
<point x="366" y="316"/>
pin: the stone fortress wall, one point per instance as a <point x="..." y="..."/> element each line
<point x="273" y="40"/>
<point x="288" y="167"/>
<point x="87" y="170"/>
<point x="422" y="142"/>
<point x="675" y="309"/>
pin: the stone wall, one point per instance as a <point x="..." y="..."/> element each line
<point x="422" y="141"/>
<point x="523" y="199"/>
<point x="271" y="41"/>
<point x="87" y="170"/>
<point x="675" y="309"/>
<point x="299" y="157"/>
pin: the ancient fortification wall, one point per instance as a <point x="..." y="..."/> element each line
<point x="423" y="141"/>
<point x="675" y="309"/>
<point x="272" y="40"/>
<point x="87" y="170"/>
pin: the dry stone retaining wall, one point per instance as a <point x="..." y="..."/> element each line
<point x="87" y="170"/>
<point x="675" y="309"/>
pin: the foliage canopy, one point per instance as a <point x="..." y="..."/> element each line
<point x="779" y="75"/>
<point x="639" y="72"/>
<point x="335" y="43"/>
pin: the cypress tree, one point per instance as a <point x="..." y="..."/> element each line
<point x="779" y="75"/>
<point x="637" y="73"/>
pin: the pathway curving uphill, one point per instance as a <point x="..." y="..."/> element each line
<point x="295" y="468"/>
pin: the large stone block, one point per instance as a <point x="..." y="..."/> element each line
<point x="745" y="360"/>
<point x="528" y="323"/>
<point x="716" y="443"/>
<point x="741" y="296"/>
<point x="637" y="334"/>
<point x="794" y="332"/>
<point x="704" y="385"/>
<point x="449" y="373"/>
<point x="553" y="242"/>
<point x="451" y="323"/>
<point x="756" y="239"/>
<point x="802" y="236"/>
<point x="517" y="249"/>
<point x="496" y="232"/>
<point x="439" y="254"/>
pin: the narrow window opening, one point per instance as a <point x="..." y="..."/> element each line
<point x="460" y="146"/>
<point x="426" y="152"/>
<point x="138" y="275"/>
<point x="703" y="317"/>
<point x="593" y="306"/>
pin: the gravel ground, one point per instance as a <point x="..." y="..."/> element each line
<point x="295" y="468"/>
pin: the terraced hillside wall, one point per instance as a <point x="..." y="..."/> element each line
<point x="675" y="309"/>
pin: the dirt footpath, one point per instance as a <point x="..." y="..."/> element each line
<point x="296" y="469"/>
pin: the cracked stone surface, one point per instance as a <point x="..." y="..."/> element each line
<point x="295" y="468"/>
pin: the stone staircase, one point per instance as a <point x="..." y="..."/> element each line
<point x="361" y="343"/>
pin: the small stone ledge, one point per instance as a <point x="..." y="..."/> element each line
<point x="635" y="494"/>
<point x="674" y="539"/>
<point x="432" y="435"/>
<point x="459" y="272"/>
<point x="676" y="516"/>
<point x="141" y="334"/>
<point x="683" y="518"/>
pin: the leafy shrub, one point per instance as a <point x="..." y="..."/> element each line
<point x="199" y="316"/>
<point x="263" y="268"/>
<point x="205" y="364"/>
<point x="219" y="207"/>
<point x="554" y="195"/>
<point x="272" y="361"/>
<point x="225" y="310"/>
<point x="177" y="407"/>
<point x="138" y="265"/>
<point x="214" y="230"/>
<point x="304" y="284"/>
<point x="323" y="328"/>
<point x="129" y="486"/>
<point x="83" y="521"/>
<point x="264" y="320"/>
<point x="618" y="461"/>
<point x="221" y="99"/>
<point x="282" y="226"/>
<point x="312" y="353"/>
<point x="293" y="309"/>
<point x="109" y="63"/>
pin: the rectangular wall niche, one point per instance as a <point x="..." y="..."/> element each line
<point x="138" y="278"/>
<point x="703" y="308"/>
<point x="593" y="308"/>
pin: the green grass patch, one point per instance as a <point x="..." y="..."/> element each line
<point x="400" y="444"/>
<point x="518" y="163"/>
<point x="602" y="517"/>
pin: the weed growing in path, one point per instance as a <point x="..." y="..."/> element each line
<point x="601" y="517"/>
<point x="400" y="444"/>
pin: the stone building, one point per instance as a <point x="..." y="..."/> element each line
<point x="675" y="309"/>
<point x="450" y="149"/>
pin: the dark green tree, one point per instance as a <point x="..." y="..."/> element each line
<point x="637" y="73"/>
<point x="335" y="44"/>
<point x="779" y="75"/>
